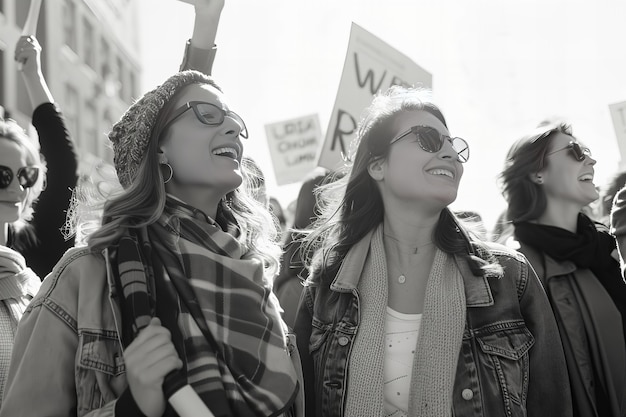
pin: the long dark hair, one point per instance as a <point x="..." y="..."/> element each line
<point x="526" y="199"/>
<point x="352" y="206"/>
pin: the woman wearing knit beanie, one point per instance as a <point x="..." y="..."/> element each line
<point x="173" y="289"/>
<point x="547" y="181"/>
<point x="406" y="312"/>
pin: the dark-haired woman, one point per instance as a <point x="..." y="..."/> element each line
<point x="547" y="180"/>
<point x="405" y="313"/>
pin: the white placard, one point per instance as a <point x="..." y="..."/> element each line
<point x="618" y="114"/>
<point x="293" y="146"/>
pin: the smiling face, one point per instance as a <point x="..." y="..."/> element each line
<point x="201" y="155"/>
<point x="13" y="197"/>
<point x="411" y="175"/>
<point x="566" y="180"/>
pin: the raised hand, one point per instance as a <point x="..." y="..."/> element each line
<point x="28" y="53"/>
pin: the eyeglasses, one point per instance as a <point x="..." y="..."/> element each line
<point x="578" y="152"/>
<point x="432" y="141"/>
<point x="209" y="114"/>
<point x="26" y="176"/>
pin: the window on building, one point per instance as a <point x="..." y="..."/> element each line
<point x="132" y="85"/>
<point x="69" y="23"/>
<point x="88" y="44"/>
<point x="90" y="124"/>
<point x="123" y="85"/>
<point x="105" y="67"/>
<point x="24" y="105"/>
<point x="106" y="148"/>
<point x="3" y="101"/>
<point x="71" y="109"/>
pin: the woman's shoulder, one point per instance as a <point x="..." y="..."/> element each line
<point x="503" y="253"/>
<point x="78" y="269"/>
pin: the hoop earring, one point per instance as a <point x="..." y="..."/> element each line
<point x="169" y="178"/>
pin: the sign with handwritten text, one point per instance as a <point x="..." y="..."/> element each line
<point x="293" y="146"/>
<point x="371" y="66"/>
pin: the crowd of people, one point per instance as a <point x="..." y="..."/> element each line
<point x="376" y="300"/>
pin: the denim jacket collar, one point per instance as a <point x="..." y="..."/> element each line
<point x="351" y="268"/>
<point x="477" y="290"/>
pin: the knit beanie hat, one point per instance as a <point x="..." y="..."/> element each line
<point x="131" y="135"/>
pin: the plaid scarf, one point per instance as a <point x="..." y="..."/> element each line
<point x="223" y="317"/>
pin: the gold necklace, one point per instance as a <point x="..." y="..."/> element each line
<point x="413" y="250"/>
<point x="405" y="248"/>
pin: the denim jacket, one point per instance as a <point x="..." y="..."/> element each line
<point x="67" y="358"/>
<point x="511" y="361"/>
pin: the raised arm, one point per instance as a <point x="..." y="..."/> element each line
<point x="200" y="49"/>
<point x="61" y="159"/>
<point x="28" y="52"/>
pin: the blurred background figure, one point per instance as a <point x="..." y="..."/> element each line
<point x="547" y="181"/>
<point x="288" y="283"/>
<point x="607" y="195"/>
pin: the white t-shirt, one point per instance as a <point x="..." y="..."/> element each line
<point x="401" y="331"/>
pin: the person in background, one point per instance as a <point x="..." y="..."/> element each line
<point x="607" y="195"/>
<point x="41" y="240"/>
<point x="176" y="280"/>
<point x="547" y="180"/>
<point x="288" y="283"/>
<point x="404" y="312"/>
<point x="22" y="176"/>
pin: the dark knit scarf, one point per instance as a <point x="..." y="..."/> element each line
<point x="224" y="321"/>
<point x="587" y="248"/>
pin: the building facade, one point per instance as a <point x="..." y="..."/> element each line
<point x="90" y="60"/>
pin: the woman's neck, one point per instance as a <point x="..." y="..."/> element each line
<point x="409" y="229"/>
<point x="198" y="199"/>
<point x="564" y="216"/>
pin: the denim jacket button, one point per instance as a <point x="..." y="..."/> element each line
<point x="467" y="394"/>
<point x="343" y="340"/>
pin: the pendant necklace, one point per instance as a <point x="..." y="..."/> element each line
<point x="407" y="250"/>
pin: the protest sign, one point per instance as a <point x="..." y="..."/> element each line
<point x="371" y="65"/>
<point x="618" y="114"/>
<point x="293" y="146"/>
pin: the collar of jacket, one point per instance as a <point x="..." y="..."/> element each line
<point x="539" y="261"/>
<point x="477" y="289"/>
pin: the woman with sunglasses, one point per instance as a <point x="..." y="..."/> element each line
<point x="405" y="312"/>
<point x="547" y="180"/>
<point x="173" y="288"/>
<point x="30" y="240"/>
<point x="22" y="175"/>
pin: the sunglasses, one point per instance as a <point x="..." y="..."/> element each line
<point x="432" y="141"/>
<point x="579" y="153"/>
<point x="26" y="176"/>
<point x="209" y="114"/>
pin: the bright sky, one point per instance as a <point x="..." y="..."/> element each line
<point x="499" y="68"/>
